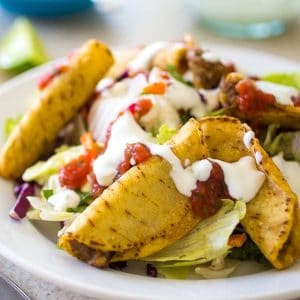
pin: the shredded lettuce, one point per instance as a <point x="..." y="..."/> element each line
<point x="42" y="210"/>
<point x="174" y="273"/>
<point x="289" y="79"/>
<point x="208" y="241"/>
<point x="288" y="143"/>
<point x="42" y="170"/>
<point x="10" y="124"/>
<point x="165" y="133"/>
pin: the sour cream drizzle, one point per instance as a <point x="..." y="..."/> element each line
<point x="165" y="109"/>
<point x="242" y="177"/>
<point x="248" y="137"/>
<point x="143" y="60"/>
<point x="283" y="94"/>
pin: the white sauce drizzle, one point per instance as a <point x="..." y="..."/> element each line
<point x="64" y="199"/>
<point x="211" y="97"/>
<point x="143" y="60"/>
<point x="210" y="56"/>
<point x="258" y="157"/>
<point x="242" y="177"/>
<point x="283" y="94"/>
<point x="290" y="171"/>
<point x="180" y="95"/>
<point x="248" y="137"/>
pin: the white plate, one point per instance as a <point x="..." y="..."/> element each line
<point x="31" y="247"/>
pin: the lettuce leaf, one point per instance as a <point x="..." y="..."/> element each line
<point x="42" y="170"/>
<point x="288" y="143"/>
<point x="174" y="273"/>
<point x="207" y="241"/>
<point x="42" y="210"/>
<point x="165" y="133"/>
<point x="289" y="79"/>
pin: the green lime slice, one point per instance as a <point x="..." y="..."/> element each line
<point x="21" y="48"/>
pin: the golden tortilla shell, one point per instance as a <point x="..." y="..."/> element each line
<point x="272" y="216"/>
<point x="286" y="116"/>
<point x="139" y="214"/>
<point x="59" y="102"/>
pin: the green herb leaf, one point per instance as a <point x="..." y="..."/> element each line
<point x="176" y="74"/>
<point x="85" y="197"/>
<point x="47" y="193"/>
<point x="219" y="112"/>
<point x="78" y="209"/>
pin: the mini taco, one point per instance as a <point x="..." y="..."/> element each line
<point x="260" y="102"/>
<point x="272" y="216"/>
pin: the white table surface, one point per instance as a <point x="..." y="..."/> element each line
<point x="136" y="22"/>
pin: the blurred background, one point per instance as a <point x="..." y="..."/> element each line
<point x="269" y="25"/>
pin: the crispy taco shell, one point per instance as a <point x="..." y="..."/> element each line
<point x="139" y="214"/>
<point x="59" y="102"/>
<point x="272" y="216"/>
<point x="287" y="116"/>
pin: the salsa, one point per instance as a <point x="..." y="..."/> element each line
<point x="45" y="80"/>
<point x="206" y="197"/>
<point x="134" y="154"/>
<point x="251" y="99"/>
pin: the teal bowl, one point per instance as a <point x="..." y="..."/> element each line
<point x="45" y="8"/>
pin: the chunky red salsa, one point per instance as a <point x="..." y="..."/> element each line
<point x="251" y="99"/>
<point x="206" y="197"/>
<point x="74" y="174"/>
<point x="134" y="154"/>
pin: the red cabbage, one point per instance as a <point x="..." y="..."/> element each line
<point x="22" y="205"/>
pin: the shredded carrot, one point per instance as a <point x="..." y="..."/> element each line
<point x="157" y="88"/>
<point x="237" y="240"/>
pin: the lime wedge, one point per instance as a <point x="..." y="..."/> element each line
<point x="21" y="48"/>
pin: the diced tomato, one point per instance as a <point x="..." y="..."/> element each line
<point x="206" y="197"/>
<point x="45" y="80"/>
<point x="97" y="189"/>
<point x="74" y="174"/>
<point x="137" y="152"/>
<point x="158" y="88"/>
<point x="251" y="99"/>
<point x="140" y="108"/>
<point x="237" y="240"/>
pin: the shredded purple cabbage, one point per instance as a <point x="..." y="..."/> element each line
<point x="22" y="205"/>
<point x="151" y="270"/>
<point x="202" y="98"/>
<point x="124" y="75"/>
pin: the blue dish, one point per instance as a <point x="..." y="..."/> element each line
<point x="45" y="8"/>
